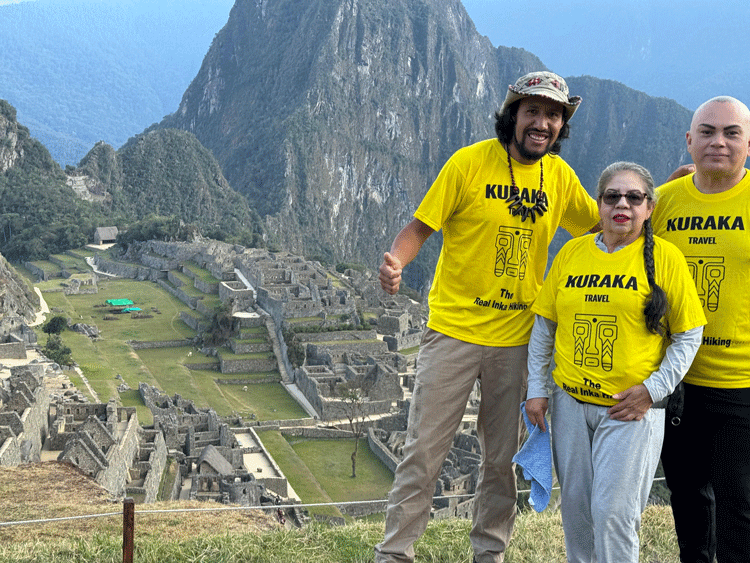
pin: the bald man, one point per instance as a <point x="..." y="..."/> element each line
<point x="706" y="457"/>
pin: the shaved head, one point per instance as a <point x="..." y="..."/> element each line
<point x="742" y="109"/>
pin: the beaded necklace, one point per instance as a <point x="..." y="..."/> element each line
<point x="516" y="206"/>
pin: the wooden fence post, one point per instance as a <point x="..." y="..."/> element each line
<point x="128" y="529"/>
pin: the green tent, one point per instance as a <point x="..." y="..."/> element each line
<point x="119" y="302"/>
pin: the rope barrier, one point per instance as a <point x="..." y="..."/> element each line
<point x="234" y="508"/>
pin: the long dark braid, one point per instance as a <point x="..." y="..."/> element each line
<point x="657" y="305"/>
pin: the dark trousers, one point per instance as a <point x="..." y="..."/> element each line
<point x="706" y="463"/>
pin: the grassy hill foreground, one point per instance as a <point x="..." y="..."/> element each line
<point x="177" y="532"/>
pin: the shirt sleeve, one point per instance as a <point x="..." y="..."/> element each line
<point x="443" y="197"/>
<point x="541" y="347"/>
<point x="677" y="359"/>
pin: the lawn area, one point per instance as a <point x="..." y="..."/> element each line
<point x="165" y="323"/>
<point x="268" y="401"/>
<point x="330" y="462"/>
<point x="110" y="355"/>
<point x="299" y="476"/>
<point x="166" y="366"/>
<point x="200" y="273"/>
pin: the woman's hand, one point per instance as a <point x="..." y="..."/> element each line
<point x="633" y="405"/>
<point x="535" y="410"/>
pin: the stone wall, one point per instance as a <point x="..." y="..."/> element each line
<point x="337" y="335"/>
<point x="38" y="272"/>
<point x="249" y="347"/>
<point x="23" y="420"/>
<point x="156" y="262"/>
<point x="195" y="321"/>
<point x="13" y="350"/>
<point x="317" y="433"/>
<point x="248" y="365"/>
<point x="277" y="482"/>
<point x="157" y="462"/>
<point x="122" y="270"/>
<point x="337" y="350"/>
<point x="381" y="451"/>
<point x="141" y="345"/>
<point x="175" y="289"/>
<point x="236" y="291"/>
<point x="120" y="458"/>
<point x="410" y="339"/>
<point x="210" y="288"/>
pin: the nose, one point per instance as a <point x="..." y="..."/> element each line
<point x="718" y="140"/>
<point x="622" y="201"/>
<point x="541" y="122"/>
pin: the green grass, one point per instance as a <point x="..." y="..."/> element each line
<point x="101" y="360"/>
<point x="72" y="262"/>
<point x="302" y="480"/>
<point x="267" y="401"/>
<point x="47" y="266"/>
<point x="331" y="461"/>
<point x="225" y="354"/>
<point x="200" y="273"/>
<point x="537" y="538"/>
<point x="166" y="367"/>
<point x="133" y="398"/>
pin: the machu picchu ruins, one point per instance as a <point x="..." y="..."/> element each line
<point x="317" y="332"/>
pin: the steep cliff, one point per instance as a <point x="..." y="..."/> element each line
<point x="333" y="117"/>
<point x="16" y="298"/>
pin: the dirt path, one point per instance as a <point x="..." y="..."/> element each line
<point x="43" y="309"/>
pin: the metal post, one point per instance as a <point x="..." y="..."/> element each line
<point x="128" y="529"/>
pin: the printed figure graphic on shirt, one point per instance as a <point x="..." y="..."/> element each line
<point x="594" y="337"/>
<point x="708" y="273"/>
<point x="512" y="252"/>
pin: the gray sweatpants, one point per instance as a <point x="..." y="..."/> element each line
<point x="605" y="468"/>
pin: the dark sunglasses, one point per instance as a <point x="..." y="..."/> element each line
<point x="634" y="197"/>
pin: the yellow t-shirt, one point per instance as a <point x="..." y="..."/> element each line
<point x="492" y="264"/>
<point x="711" y="230"/>
<point x="602" y="345"/>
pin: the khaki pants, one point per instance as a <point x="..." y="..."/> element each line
<point x="446" y="371"/>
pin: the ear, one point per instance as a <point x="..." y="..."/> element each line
<point x="688" y="139"/>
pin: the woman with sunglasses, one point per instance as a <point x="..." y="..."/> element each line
<point x="622" y="314"/>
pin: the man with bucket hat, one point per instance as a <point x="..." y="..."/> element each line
<point x="499" y="203"/>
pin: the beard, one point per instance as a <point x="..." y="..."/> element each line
<point x="528" y="154"/>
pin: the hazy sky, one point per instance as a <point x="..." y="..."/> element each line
<point x="687" y="50"/>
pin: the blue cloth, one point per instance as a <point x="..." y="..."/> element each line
<point x="535" y="458"/>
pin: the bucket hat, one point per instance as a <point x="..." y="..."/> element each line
<point x="545" y="84"/>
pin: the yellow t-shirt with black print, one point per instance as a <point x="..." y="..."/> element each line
<point x="711" y="230"/>
<point x="602" y="345"/>
<point x="492" y="263"/>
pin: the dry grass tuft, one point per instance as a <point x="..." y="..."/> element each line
<point x="56" y="490"/>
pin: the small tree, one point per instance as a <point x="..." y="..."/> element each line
<point x="55" y="325"/>
<point x="222" y="327"/>
<point x="354" y="400"/>
<point x="57" y="351"/>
